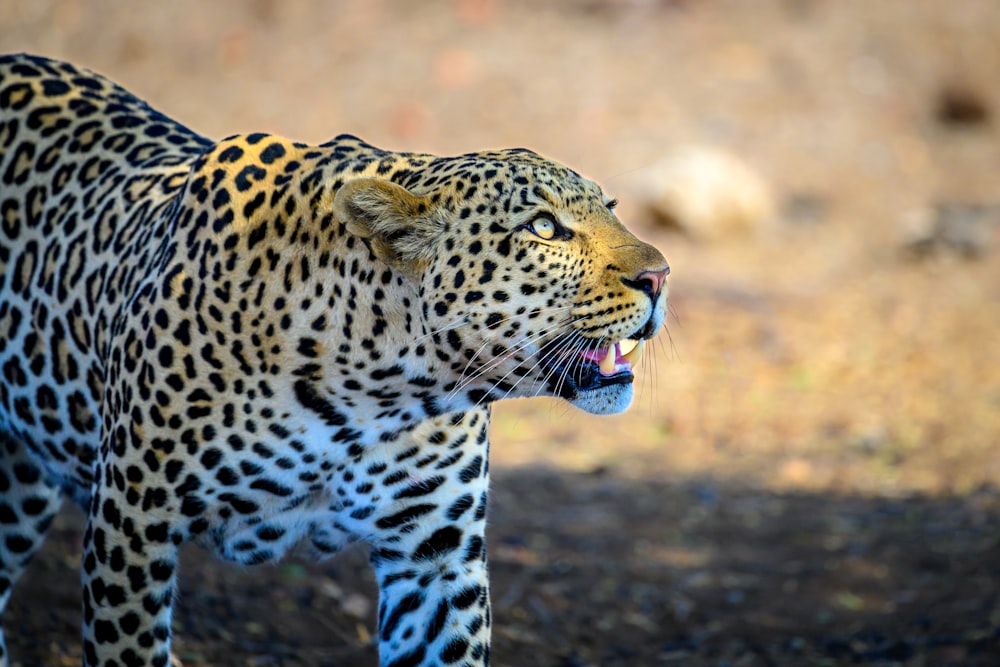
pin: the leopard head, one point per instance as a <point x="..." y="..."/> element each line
<point x="528" y="283"/>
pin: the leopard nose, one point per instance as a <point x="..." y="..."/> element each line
<point x="650" y="282"/>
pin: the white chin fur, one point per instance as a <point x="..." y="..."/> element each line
<point x="605" y="401"/>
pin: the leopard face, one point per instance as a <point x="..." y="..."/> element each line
<point x="528" y="282"/>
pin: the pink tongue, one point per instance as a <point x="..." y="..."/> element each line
<point x="599" y="355"/>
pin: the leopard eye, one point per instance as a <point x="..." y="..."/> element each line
<point x="543" y="227"/>
<point x="612" y="205"/>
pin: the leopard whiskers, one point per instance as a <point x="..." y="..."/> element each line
<point x="549" y="359"/>
<point x="579" y="359"/>
<point x="486" y="343"/>
<point x="649" y="379"/>
<point x="542" y="356"/>
<point x="454" y="324"/>
<point x="578" y="344"/>
<point x="522" y="344"/>
<point x="576" y="357"/>
<point x="473" y="358"/>
<point x="542" y="351"/>
<point x="651" y="365"/>
<point x="540" y="333"/>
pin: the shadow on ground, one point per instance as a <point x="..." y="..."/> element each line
<point x="594" y="569"/>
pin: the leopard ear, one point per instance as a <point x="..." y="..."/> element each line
<point x="397" y="225"/>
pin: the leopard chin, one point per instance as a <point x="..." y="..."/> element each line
<point x="599" y="382"/>
<point x="605" y="400"/>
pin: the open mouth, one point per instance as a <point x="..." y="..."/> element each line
<point x="595" y="369"/>
<point x="617" y="358"/>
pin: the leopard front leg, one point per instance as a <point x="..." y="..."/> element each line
<point x="430" y="553"/>
<point x="435" y="611"/>
<point x="28" y="502"/>
<point x="128" y="576"/>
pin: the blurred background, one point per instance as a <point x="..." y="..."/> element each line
<point x="809" y="474"/>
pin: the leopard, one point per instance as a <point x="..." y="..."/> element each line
<point x="262" y="346"/>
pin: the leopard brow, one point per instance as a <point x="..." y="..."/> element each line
<point x="541" y="191"/>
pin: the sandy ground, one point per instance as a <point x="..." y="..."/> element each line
<point x="810" y="473"/>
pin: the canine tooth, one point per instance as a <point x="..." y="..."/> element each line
<point x="633" y="355"/>
<point x="627" y="346"/>
<point x="607" y="364"/>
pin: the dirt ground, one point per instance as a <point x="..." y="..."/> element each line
<point x="811" y="472"/>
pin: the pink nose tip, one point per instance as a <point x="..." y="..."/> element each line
<point x="654" y="280"/>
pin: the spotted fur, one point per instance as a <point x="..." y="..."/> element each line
<point x="253" y="343"/>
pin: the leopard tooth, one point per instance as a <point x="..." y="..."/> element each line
<point x="607" y="364"/>
<point x="626" y="346"/>
<point x="633" y="355"/>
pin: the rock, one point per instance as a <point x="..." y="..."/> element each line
<point x="967" y="230"/>
<point x="805" y="209"/>
<point x="708" y="194"/>
<point x="960" y="104"/>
